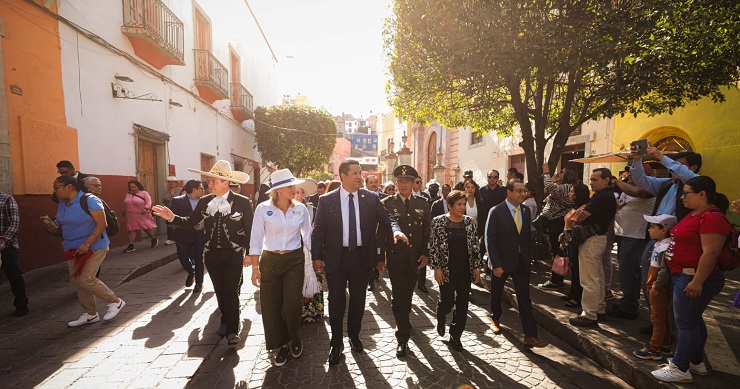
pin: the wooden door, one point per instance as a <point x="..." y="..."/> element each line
<point x="202" y="42"/>
<point x="235" y="68"/>
<point x="147" y="168"/>
<point x="206" y="163"/>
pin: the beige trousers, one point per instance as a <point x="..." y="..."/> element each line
<point x="88" y="286"/>
<point x="592" y="276"/>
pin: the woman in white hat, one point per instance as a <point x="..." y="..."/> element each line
<point x="227" y="218"/>
<point x="280" y="232"/>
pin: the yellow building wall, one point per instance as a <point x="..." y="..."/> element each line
<point x="39" y="137"/>
<point x="713" y="130"/>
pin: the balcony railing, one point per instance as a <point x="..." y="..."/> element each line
<point x="211" y="73"/>
<point x="152" y="21"/>
<point x="241" y="102"/>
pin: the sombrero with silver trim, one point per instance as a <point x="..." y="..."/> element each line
<point x="282" y="178"/>
<point x="309" y="186"/>
<point x="222" y="170"/>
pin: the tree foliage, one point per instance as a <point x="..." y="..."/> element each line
<point x="548" y="66"/>
<point x="298" y="138"/>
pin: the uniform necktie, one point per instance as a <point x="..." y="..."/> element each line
<point x="406" y="203"/>
<point x="517" y="221"/>
<point x="352" y="239"/>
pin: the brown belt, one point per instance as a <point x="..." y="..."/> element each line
<point x="282" y="252"/>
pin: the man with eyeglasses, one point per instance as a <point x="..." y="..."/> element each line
<point x="66" y="168"/>
<point x="190" y="242"/>
<point x="416" y="190"/>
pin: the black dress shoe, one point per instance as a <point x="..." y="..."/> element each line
<point x="335" y="355"/>
<point x="423" y="288"/>
<point x="356" y="345"/>
<point x="21" y="311"/>
<point x="401" y="349"/>
<point x="456" y="343"/>
<point x="222" y="330"/>
<point x="198" y="288"/>
<point x="189" y="280"/>
<point x="370" y="286"/>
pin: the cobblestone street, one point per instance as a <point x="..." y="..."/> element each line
<point x="166" y="337"/>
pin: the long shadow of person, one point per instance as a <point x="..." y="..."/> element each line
<point x="178" y="313"/>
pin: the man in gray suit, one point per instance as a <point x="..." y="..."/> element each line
<point x="510" y="253"/>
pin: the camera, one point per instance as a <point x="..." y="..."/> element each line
<point x="640" y="146"/>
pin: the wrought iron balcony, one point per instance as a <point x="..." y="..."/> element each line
<point x="211" y="76"/>
<point x="156" y="34"/>
<point x="241" y="102"/>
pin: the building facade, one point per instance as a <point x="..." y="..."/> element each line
<point x="130" y="89"/>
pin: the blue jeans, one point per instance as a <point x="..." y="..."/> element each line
<point x="692" y="332"/>
<point x="644" y="266"/>
<point x="630" y="252"/>
<point x="190" y="253"/>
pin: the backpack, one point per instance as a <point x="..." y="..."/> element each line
<point x="729" y="258"/>
<point x="110" y="216"/>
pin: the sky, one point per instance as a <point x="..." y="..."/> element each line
<point x="329" y="50"/>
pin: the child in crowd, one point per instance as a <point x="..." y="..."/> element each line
<point x="659" y="285"/>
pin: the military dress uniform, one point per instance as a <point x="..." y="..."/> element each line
<point x="402" y="259"/>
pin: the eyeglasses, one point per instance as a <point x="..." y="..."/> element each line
<point x="97" y="185"/>
<point x="522" y="191"/>
<point x="687" y="193"/>
<point x="63" y="172"/>
<point x="57" y="187"/>
<point x="492" y="177"/>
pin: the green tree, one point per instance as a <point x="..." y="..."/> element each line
<point x="547" y="66"/>
<point x="298" y="138"/>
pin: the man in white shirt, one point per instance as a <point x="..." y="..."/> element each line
<point x="344" y="248"/>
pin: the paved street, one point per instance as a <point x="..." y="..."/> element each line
<point x="166" y="337"/>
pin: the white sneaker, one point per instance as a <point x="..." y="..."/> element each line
<point x="169" y="242"/>
<point x="114" y="308"/>
<point x="84" y="319"/>
<point x="671" y="373"/>
<point x="700" y="369"/>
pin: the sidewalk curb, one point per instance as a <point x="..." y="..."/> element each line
<point x="142" y="270"/>
<point x="624" y="368"/>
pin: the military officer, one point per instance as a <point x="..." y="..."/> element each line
<point x="404" y="261"/>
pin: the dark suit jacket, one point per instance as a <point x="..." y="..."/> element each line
<point x="438" y="208"/>
<point x="181" y="206"/>
<point x="326" y="240"/>
<point x="503" y="241"/>
<point x="238" y="224"/>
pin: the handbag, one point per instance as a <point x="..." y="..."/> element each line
<point x="561" y="266"/>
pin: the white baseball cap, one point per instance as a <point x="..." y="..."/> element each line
<point x="667" y="221"/>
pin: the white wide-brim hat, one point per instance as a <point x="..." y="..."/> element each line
<point x="282" y="178"/>
<point x="309" y="186"/>
<point x="222" y="170"/>
<point x="171" y="178"/>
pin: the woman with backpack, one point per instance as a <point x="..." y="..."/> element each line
<point x="85" y="245"/>
<point x="697" y="242"/>
<point x="136" y="208"/>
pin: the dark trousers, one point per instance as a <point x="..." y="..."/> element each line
<point x="520" y="277"/>
<point x="354" y="271"/>
<point x="576" y="290"/>
<point x="281" y="297"/>
<point x="170" y="233"/>
<point x="402" y="272"/>
<point x="630" y="252"/>
<point x="14" y="275"/>
<point x="190" y="253"/>
<point x="225" y="269"/>
<point x="455" y="295"/>
<point x="555" y="227"/>
<point x="374" y="275"/>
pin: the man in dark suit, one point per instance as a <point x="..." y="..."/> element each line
<point x="404" y="261"/>
<point x="510" y="253"/>
<point x="416" y="190"/>
<point x="227" y="217"/>
<point x="66" y="168"/>
<point x="439" y="207"/>
<point x="320" y="190"/>
<point x="344" y="247"/>
<point x="190" y="242"/>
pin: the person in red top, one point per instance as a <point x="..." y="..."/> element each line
<point x="697" y="241"/>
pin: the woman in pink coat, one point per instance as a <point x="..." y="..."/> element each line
<point x="137" y="207"/>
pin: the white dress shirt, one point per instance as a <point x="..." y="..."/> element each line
<point x="273" y="230"/>
<point x="344" y="201"/>
<point x="517" y="215"/>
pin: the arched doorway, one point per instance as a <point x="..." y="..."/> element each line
<point x="431" y="156"/>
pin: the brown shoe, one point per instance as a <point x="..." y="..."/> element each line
<point x="534" y="342"/>
<point x="495" y="327"/>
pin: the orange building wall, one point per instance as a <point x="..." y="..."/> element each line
<point x="39" y="137"/>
